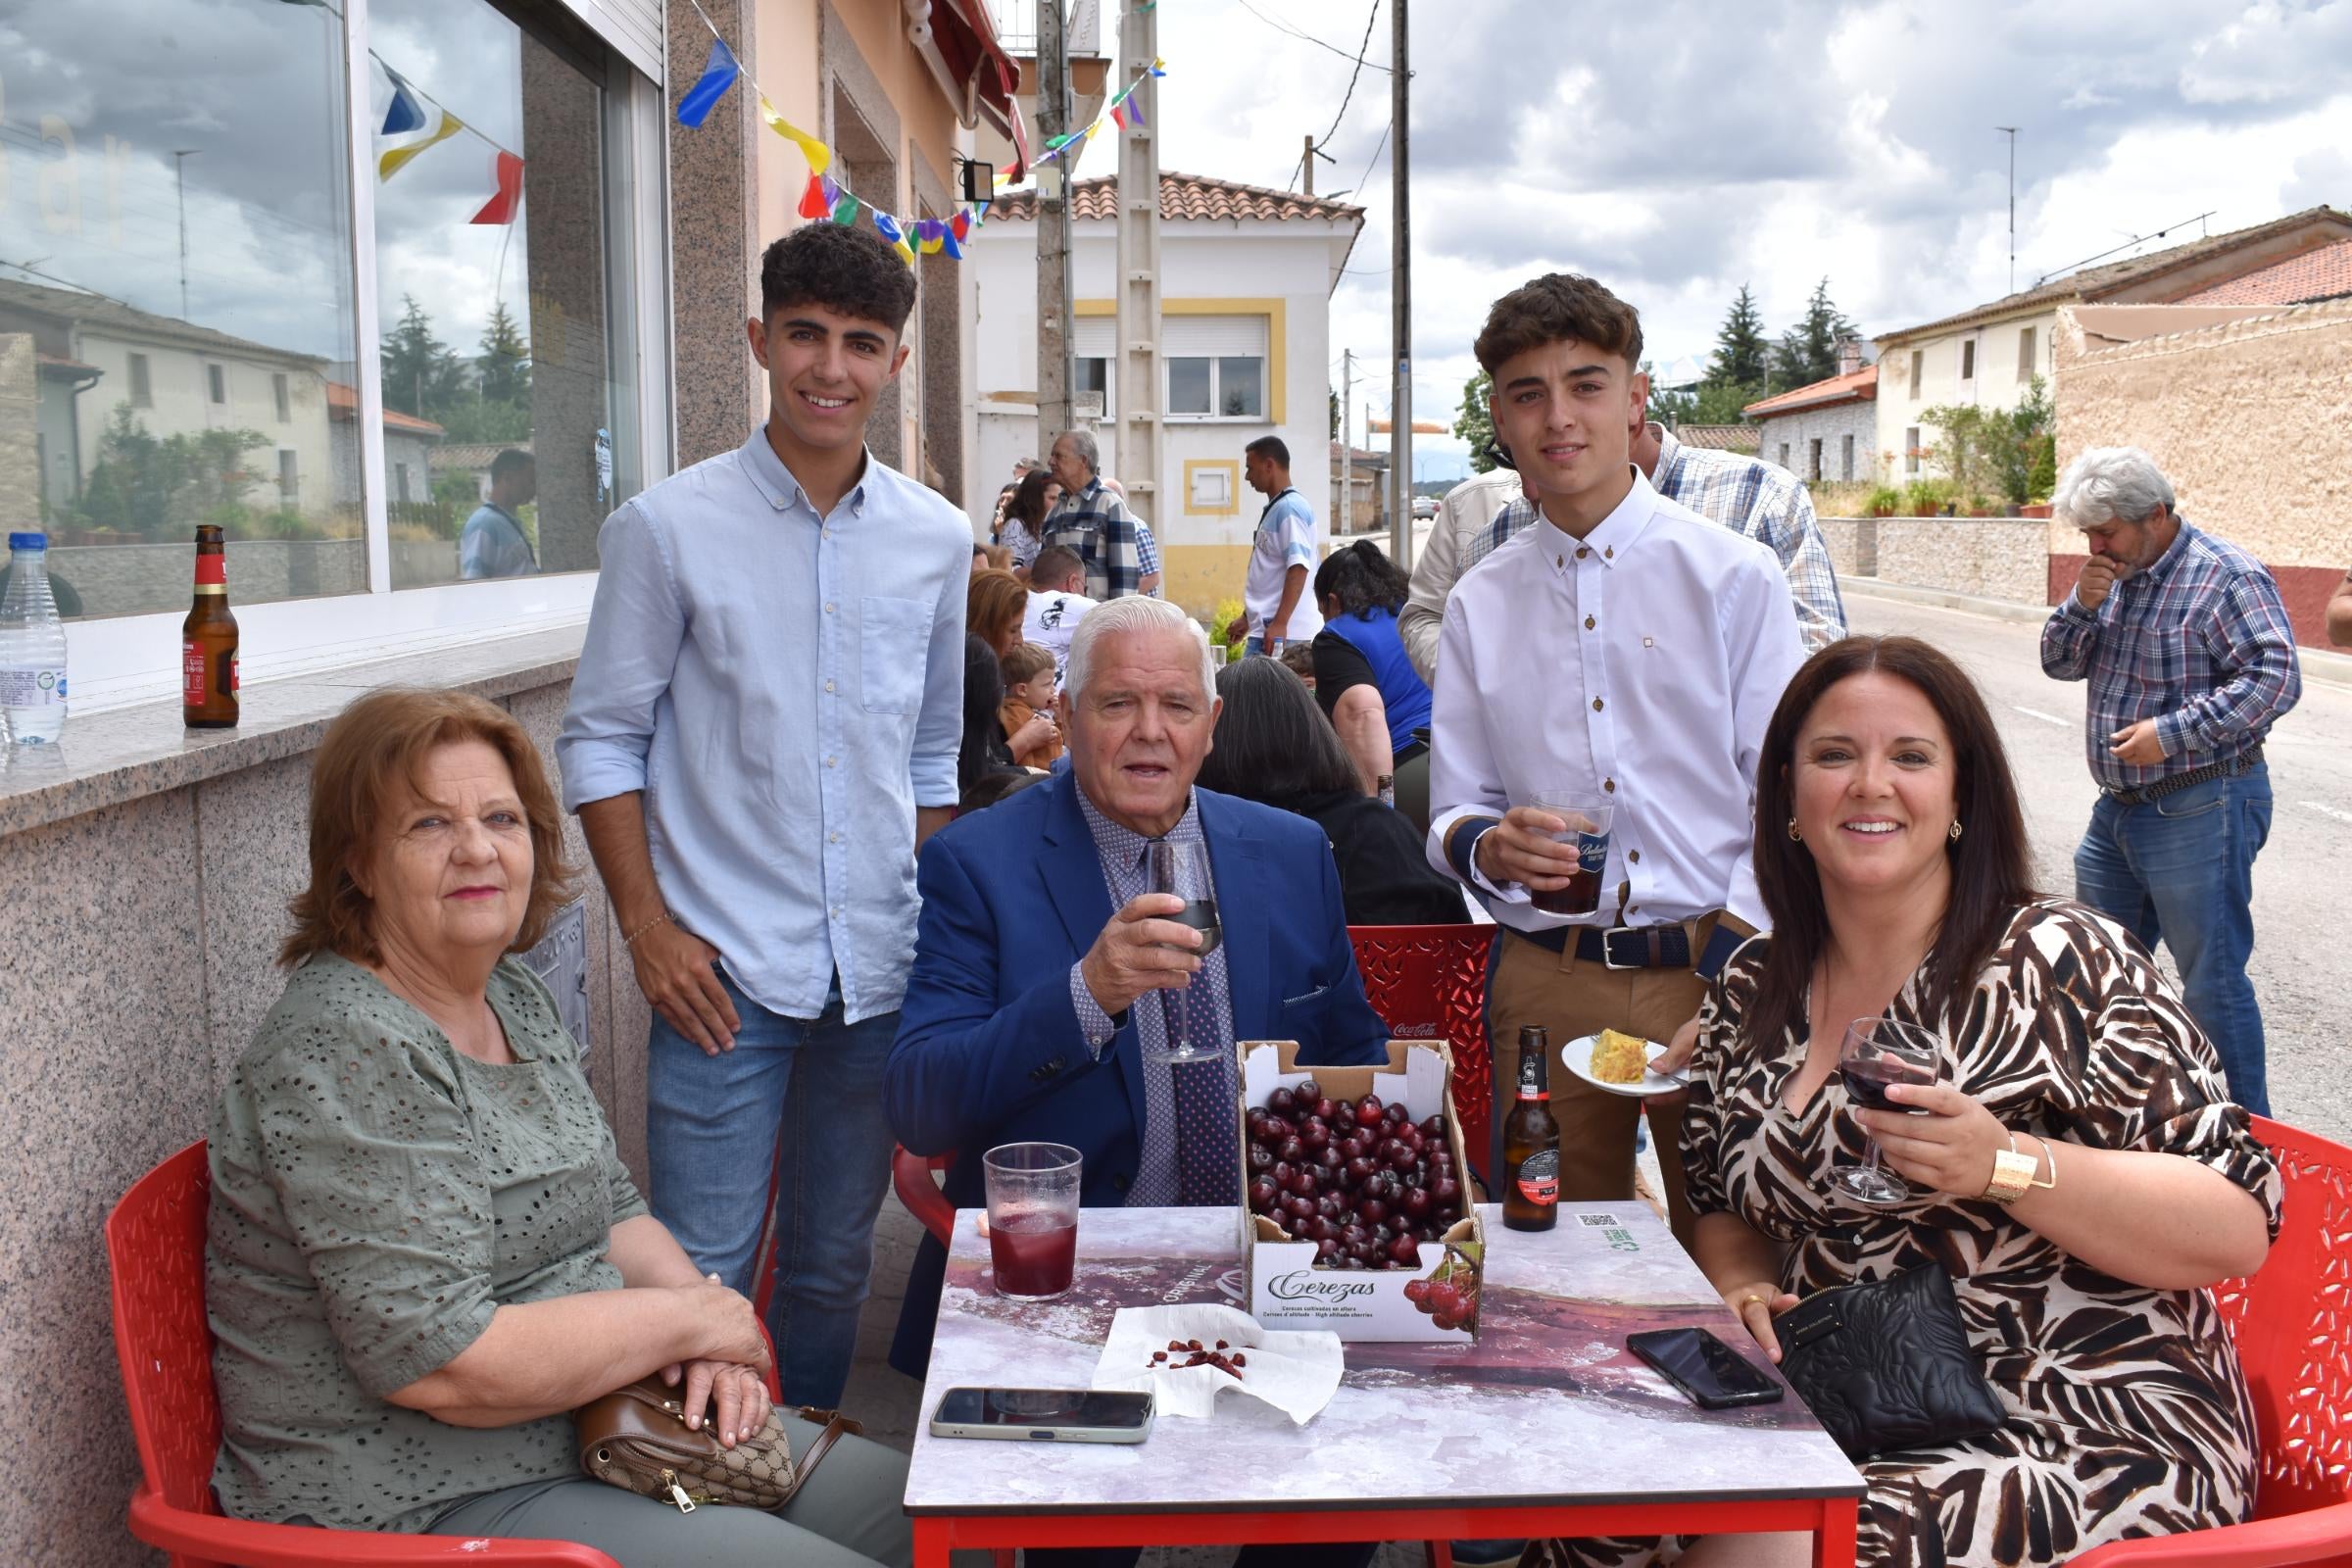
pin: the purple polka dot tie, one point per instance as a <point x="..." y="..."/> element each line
<point x="1209" y="1153"/>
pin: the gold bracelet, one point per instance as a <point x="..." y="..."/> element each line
<point x="630" y="940"/>
<point x="2012" y="1174"/>
<point x="2049" y="1153"/>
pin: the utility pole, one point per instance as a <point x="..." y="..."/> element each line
<point x="1401" y="294"/>
<point x="1343" y="511"/>
<point x="1054" y="289"/>
<point x="2011" y="133"/>
<point x="1135" y="377"/>
<point x="180" y="167"/>
<point x="1306" y="164"/>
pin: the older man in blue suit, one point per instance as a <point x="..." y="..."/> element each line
<point x="1031" y="1009"/>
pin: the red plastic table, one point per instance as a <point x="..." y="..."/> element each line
<point x="1545" y="1427"/>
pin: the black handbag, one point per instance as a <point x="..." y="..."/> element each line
<point x="1886" y="1364"/>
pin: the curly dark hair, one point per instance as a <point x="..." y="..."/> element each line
<point x="1556" y="307"/>
<point x="845" y="269"/>
<point x="1364" y="579"/>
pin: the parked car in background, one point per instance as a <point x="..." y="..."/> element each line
<point x="1425" y="506"/>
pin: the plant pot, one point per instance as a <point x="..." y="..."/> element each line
<point x="2034" y="509"/>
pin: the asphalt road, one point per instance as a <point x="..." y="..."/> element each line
<point x="2299" y="970"/>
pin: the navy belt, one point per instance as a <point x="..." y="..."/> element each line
<point x="1618" y="947"/>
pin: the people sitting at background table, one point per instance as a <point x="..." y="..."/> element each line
<point x="1893" y="859"/>
<point x="1029" y="689"/>
<point x="1363" y="676"/>
<point x="424" y="1250"/>
<point x="994" y="605"/>
<point x="1275" y="747"/>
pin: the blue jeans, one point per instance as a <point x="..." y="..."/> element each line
<point x="714" y="1125"/>
<point x="2180" y="869"/>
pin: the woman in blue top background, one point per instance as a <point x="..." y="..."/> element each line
<point x="1368" y="687"/>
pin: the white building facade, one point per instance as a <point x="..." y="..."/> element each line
<point x="1246" y="276"/>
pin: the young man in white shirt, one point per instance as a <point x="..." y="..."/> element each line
<point x="1277" y="606"/>
<point x="1057" y="603"/>
<point x="1623" y="647"/>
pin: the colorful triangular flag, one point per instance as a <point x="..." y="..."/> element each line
<point x="844" y="210"/>
<point x="398" y="159"/>
<point x="718" y="75"/>
<point x="500" y="208"/>
<point x="887" y="228"/>
<point x="1135" y="111"/>
<point x="812" y="199"/>
<point x="1118" y="116"/>
<point x="819" y="156"/>
<point x="402" y="115"/>
<point x="961" y="226"/>
<point x="949" y="243"/>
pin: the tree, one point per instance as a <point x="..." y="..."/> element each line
<point x="1741" y="353"/>
<point x="162" y="488"/>
<point x="421" y="375"/>
<point x="1335" y="415"/>
<point x="1808" y="350"/>
<point x="1473" y="423"/>
<point x="504" y="369"/>
<point x="1987" y="450"/>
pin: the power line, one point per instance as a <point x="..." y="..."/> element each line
<point x="1307" y="37"/>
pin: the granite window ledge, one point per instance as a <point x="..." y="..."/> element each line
<point x="123" y="753"/>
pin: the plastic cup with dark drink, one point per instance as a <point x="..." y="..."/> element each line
<point x="1032" y="1218"/>
<point x="1588" y="818"/>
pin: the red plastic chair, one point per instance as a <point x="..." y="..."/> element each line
<point x="1429" y="982"/>
<point x="2292" y="1322"/>
<point x="912" y="1175"/>
<point x="155" y="1243"/>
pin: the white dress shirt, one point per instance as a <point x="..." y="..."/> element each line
<point x="1642" y="663"/>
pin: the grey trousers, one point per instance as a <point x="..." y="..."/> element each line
<point x="848" y="1515"/>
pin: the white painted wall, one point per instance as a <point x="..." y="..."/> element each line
<point x="182" y="402"/>
<point x="1994" y="386"/>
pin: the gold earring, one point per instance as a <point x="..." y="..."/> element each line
<point x="1954" y="832"/>
<point x="1794" y="837"/>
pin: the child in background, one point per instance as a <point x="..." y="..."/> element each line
<point x="1299" y="659"/>
<point x="1028" y="690"/>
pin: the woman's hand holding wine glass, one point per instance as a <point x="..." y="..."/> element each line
<point x="1940" y="1138"/>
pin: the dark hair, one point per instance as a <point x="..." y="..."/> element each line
<point x="1272" y="742"/>
<point x="1270" y="446"/>
<point x="1992" y="868"/>
<point x="1364" y="577"/>
<point x="1028" y="504"/>
<point x="993" y="606"/>
<point x="1054" y="562"/>
<point x="1299" y="659"/>
<point x="1555" y="308"/>
<point x="1026" y="662"/>
<point x="506" y="461"/>
<point x="374" y="747"/>
<point x="991" y="788"/>
<point x="845" y="269"/>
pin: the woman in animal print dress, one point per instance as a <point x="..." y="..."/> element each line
<point x="1893" y="861"/>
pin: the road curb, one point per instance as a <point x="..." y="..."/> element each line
<point x="2318" y="663"/>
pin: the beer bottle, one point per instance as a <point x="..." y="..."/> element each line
<point x="1531" y="1142"/>
<point x="208" y="641"/>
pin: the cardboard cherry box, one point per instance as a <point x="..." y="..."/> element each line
<point x="1287" y="1291"/>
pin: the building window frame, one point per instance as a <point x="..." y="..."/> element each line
<point x="2027" y="348"/>
<point x="142" y="380"/>
<point x="121" y="660"/>
<point x="1911" y="450"/>
<point x="1919" y="360"/>
<point x="1968" y="361"/>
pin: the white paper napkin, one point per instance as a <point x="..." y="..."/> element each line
<point x="1295" y="1373"/>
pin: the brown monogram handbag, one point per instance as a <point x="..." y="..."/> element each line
<point x="636" y="1437"/>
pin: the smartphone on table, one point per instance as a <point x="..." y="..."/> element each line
<point x="1044" y="1415"/>
<point x="1710" y="1373"/>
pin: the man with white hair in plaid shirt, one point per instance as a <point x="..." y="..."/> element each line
<point x="2190" y="660"/>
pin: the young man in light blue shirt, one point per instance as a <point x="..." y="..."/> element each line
<point x="1276" y="605"/>
<point x="762" y="732"/>
<point x="493" y="543"/>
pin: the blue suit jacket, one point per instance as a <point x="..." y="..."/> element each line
<point x="989" y="1048"/>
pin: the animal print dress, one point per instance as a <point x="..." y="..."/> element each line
<point x="2128" y="1415"/>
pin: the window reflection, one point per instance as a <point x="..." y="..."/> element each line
<point x="174" y="246"/>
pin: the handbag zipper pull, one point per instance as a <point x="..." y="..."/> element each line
<point x="677" y="1494"/>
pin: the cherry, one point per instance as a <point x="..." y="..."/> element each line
<point x="1367" y="1111"/>
<point x="1371" y="1210"/>
<point x="1356" y="1170"/>
<point x="1305" y="1092"/>
<point x="1298" y="1207"/>
<point x="1330" y="1205"/>
<point x="1404" y="1159"/>
<point x="1405" y="1250"/>
<point x="1350" y="1260"/>
<point x="1302" y="1182"/>
<point x="1416" y="1290"/>
<point x="1355" y="1232"/>
<point x="1446" y="1191"/>
<point x="1328" y="1161"/>
<point x="1433" y="1128"/>
<point x="1292" y="1150"/>
<point x="1416" y="1201"/>
<point x="1328" y="1109"/>
<point x="1263" y="1192"/>
<point x="1281" y="1172"/>
<point x="1326" y="1248"/>
<point x="1394" y="1115"/>
<point x="1261" y="1157"/>
<point x="1282" y="1102"/>
<point x="1316" y="1132"/>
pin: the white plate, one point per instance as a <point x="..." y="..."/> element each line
<point x="1578" y="1055"/>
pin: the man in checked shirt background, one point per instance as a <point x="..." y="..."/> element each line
<point x="2190" y="660"/>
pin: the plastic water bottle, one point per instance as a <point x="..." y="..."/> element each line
<point x="33" y="646"/>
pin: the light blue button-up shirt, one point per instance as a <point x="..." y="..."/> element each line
<point x="786" y="690"/>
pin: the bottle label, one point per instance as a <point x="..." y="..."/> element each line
<point x="31" y="686"/>
<point x="212" y="568"/>
<point x="1539" y="1178"/>
<point x="237" y="678"/>
<point x="191" y="674"/>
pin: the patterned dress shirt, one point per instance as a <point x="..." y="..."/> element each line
<point x="1147" y="556"/>
<point x="1121" y="851"/>
<point x="1760" y="500"/>
<point x="1097" y="524"/>
<point x="2198" y="642"/>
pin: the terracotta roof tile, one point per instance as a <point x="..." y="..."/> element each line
<point x="1189" y="197"/>
<point x="1855" y="386"/>
<point x="2321" y="275"/>
<point x="1721" y="437"/>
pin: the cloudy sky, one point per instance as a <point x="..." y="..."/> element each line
<point x="1679" y="148"/>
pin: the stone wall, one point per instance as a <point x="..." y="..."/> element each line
<point x="144" y="936"/>
<point x="1830" y="426"/>
<point x="1987" y="557"/>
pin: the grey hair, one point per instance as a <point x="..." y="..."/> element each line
<point x="1082" y="442"/>
<point x="1132" y="614"/>
<point x="2111" y="484"/>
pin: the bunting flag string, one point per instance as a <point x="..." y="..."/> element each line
<point x="413" y="110"/>
<point x="506" y="170"/>
<point x="399" y="158"/>
<point x="825" y="199"/>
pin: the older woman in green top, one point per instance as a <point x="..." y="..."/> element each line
<point x="424" y="1250"/>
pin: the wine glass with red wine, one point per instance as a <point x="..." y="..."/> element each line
<point x="1181" y="868"/>
<point x="1876" y="1055"/>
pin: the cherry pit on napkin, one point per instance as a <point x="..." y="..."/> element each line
<point x="1296" y="1373"/>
